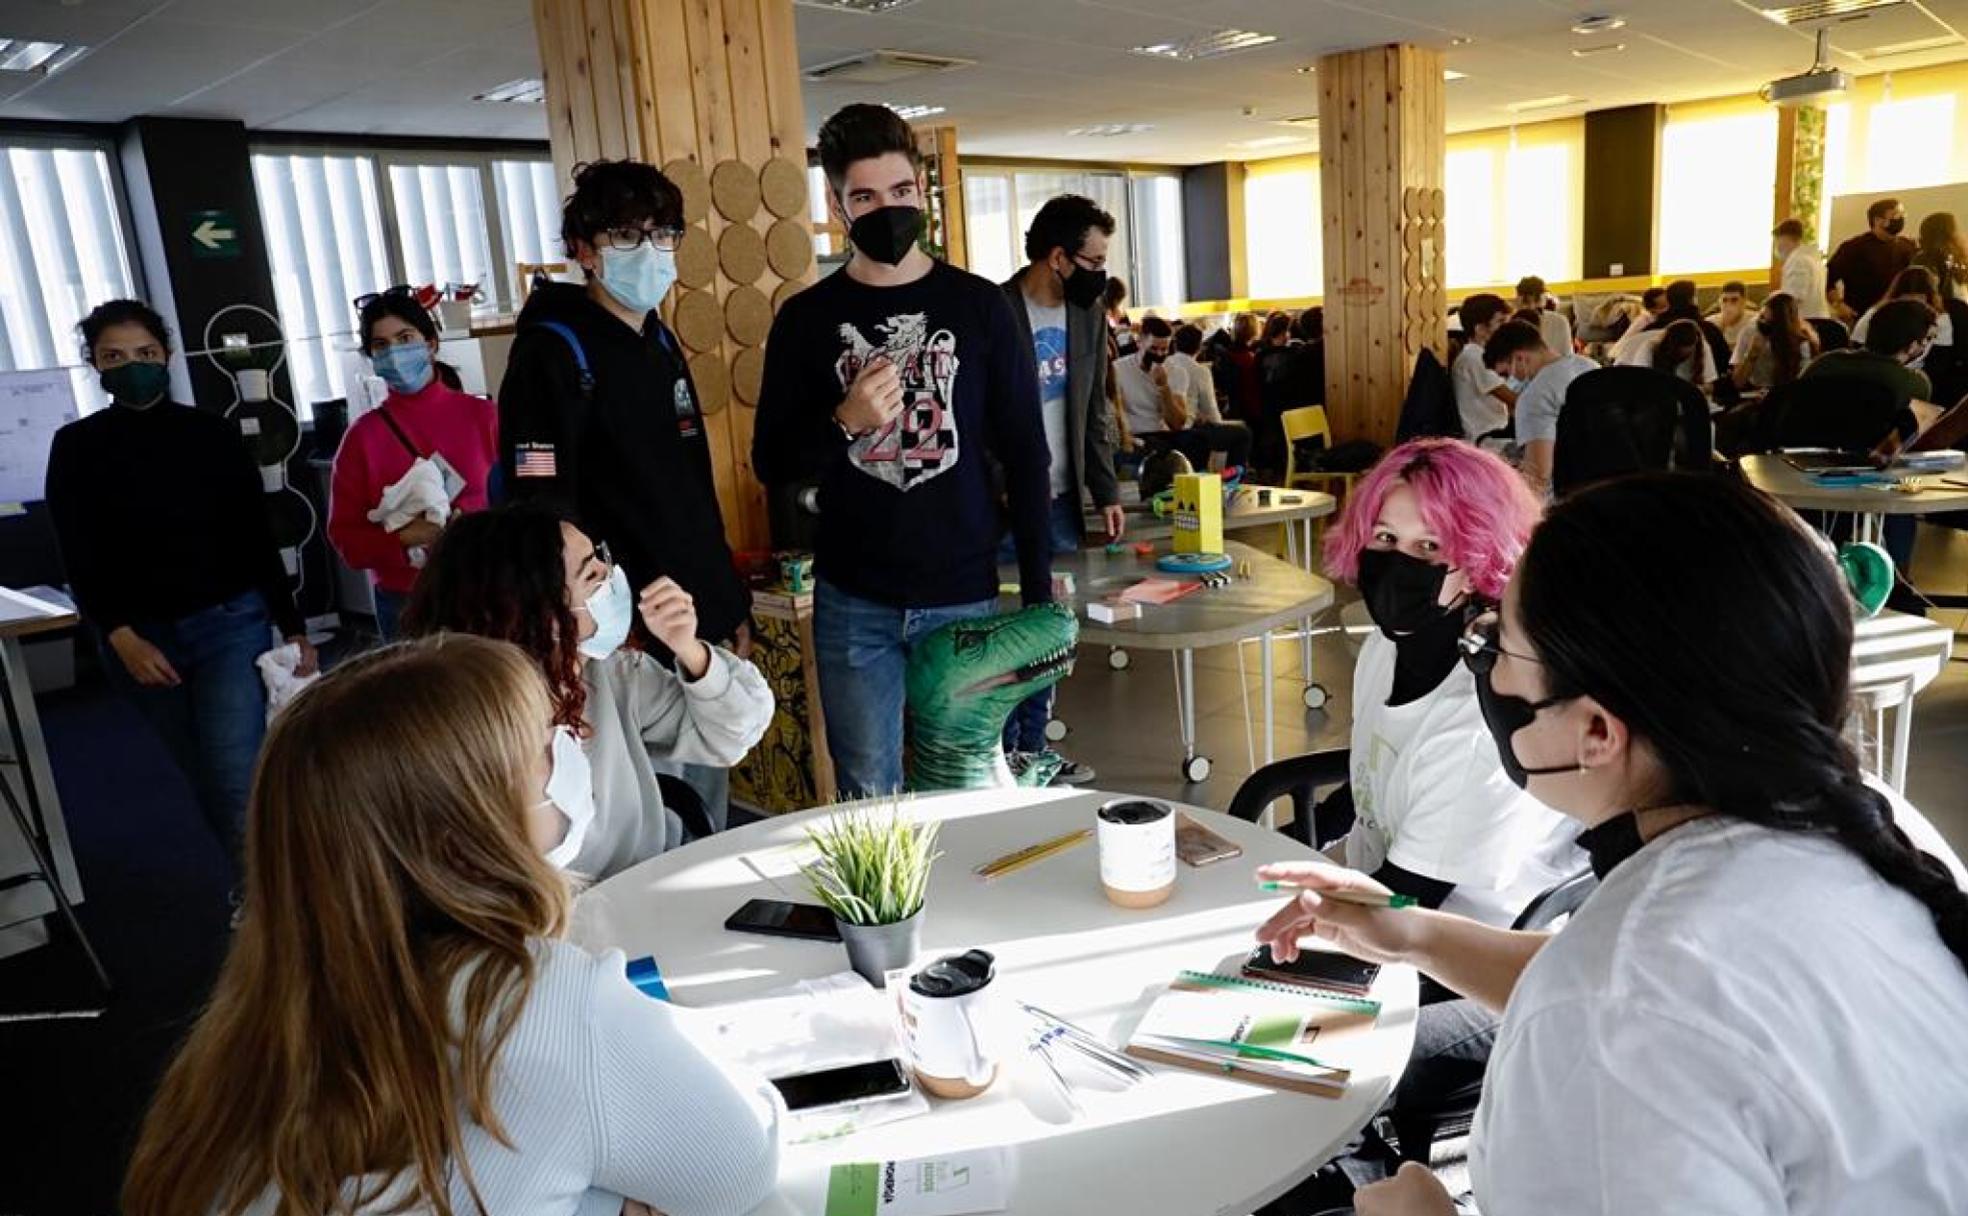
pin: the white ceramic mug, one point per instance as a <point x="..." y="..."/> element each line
<point x="951" y="1025"/>
<point x="1137" y="851"/>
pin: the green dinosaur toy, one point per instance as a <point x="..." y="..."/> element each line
<point x="963" y="682"/>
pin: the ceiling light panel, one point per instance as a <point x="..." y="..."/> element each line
<point x="523" y="92"/>
<point x="911" y="113"/>
<point x="1827" y="10"/>
<point x="1206" y="46"/>
<point x="43" y="58"/>
<point x="1544" y="103"/>
<point x="1108" y="130"/>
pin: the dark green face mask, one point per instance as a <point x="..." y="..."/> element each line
<point x="137" y="385"/>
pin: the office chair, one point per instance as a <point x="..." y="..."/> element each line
<point x="1627" y="420"/>
<point x="682" y="798"/>
<point x="1309" y="422"/>
<point x="1832" y="334"/>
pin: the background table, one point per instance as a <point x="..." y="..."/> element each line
<point x="34" y="819"/>
<point x="1276" y="593"/>
<point x="1776" y="477"/>
<point x="1297" y="511"/>
<point x="1894" y="656"/>
<point x="1182" y="1142"/>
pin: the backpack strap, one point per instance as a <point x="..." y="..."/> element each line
<point x="390" y="421"/>
<point x="574" y="347"/>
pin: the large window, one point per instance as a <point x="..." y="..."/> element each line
<point x="1145" y="250"/>
<point x="342" y="223"/>
<point x="1284" y="242"/>
<point x="1513" y="201"/>
<point x="1718" y="169"/>
<point x="61" y="254"/>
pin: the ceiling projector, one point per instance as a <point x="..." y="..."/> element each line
<point x="1816" y="87"/>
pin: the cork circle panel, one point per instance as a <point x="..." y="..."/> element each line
<point x="748" y="314"/>
<point x="696" y="258"/>
<point x="698" y="320"/>
<point x="735" y="190"/>
<point x="741" y="252"/>
<point x="688" y="177"/>
<point x="789" y="248"/>
<point x="786" y="291"/>
<point x="748" y="375"/>
<point x="713" y="382"/>
<point x="782" y="183"/>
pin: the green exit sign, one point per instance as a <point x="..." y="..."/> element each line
<point x="214" y="234"/>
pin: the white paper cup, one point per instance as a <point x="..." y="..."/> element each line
<point x="1137" y="851"/>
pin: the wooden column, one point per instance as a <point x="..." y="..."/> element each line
<point x="1383" y="131"/>
<point x="708" y="90"/>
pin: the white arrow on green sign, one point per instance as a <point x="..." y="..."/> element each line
<point x="214" y="234"/>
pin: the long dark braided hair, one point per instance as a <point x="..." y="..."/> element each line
<point x="1707" y="618"/>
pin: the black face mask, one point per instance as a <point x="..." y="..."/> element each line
<point x="1896" y="226"/>
<point x="1403" y="593"/>
<point x="887" y="234"/>
<point x="1505" y="716"/>
<point x="1084" y="287"/>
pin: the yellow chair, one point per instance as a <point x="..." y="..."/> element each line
<point x="1309" y="422"/>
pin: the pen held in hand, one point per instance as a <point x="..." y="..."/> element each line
<point x="1364" y="899"/>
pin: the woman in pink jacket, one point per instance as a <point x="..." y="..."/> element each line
<point x="422" y="418"/>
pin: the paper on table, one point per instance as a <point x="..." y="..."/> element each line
<point x="782" y="861"/>
<point x="952" y="1185"/>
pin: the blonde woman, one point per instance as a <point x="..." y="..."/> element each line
<point x="399" y="1024"/>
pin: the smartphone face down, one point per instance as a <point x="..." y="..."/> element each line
<point x="780" y="918"/>
<point x="874" y="1081"/>
<point x="1196" y="845"/>
<point x="1314" y="969"/>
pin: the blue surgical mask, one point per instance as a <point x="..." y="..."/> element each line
<point x="638" y="277"/>
<point x="611" y="607"/>
<point x="406" y="368"/>
<point x="1515" y="384"/>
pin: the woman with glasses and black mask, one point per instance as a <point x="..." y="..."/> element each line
<point x="598" y="412"/>
<point x="423" y="418"/>
<point x="1759" y="1010"/>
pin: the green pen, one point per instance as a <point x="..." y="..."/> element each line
<point x="1364" y="899"/>
<point x="1261" y="1053"/>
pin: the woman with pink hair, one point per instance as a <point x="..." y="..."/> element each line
<point x="1429" y="811"/>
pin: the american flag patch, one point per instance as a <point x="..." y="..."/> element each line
<point x="534" y="460"/>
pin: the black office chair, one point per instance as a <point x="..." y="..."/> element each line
<point x="1627" y="420"/>
<point x="680" y="796"/>
<point x="1844" y="413"/>
<point x="1832" y="335"/>
<point x="1411" y="1132"/>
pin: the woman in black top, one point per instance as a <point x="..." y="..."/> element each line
<point x="163" y="529"/>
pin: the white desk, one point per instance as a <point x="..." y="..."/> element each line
<point x="1894" y="656"/>
<point x="1775" y="476"/>
<point x="1182" y="1142"/>
<point x="24" y="898"/>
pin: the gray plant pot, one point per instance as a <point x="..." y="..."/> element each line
<point x="875" y="950"/>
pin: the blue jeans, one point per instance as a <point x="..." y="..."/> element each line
<point x="863" y="653"/>
<point x="1025" y="729"/>
<point x="389" y="610"/>
<point x="213" y="722"/>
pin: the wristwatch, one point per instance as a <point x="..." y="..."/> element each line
<point x="850" y="434"/>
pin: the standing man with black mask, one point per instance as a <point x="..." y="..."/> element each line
<point x="1863" y="267"/>
<point x="1056" y="301"/>
<point x="891" y="380"/>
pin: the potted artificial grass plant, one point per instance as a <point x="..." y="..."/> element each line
<point x="872" y="873"/>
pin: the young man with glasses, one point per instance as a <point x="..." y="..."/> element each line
<point x="892" y="381"/>
<point x="598" y="413"/>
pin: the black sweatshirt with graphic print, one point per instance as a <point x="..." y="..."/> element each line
<point x="908" y="515"/>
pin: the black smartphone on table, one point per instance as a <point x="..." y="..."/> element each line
<point x="849" y="1085"/>
<point x="1314" y="969"/>
<point x="782" y="918"/>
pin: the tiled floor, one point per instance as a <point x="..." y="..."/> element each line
<point x="1124" y="723"/>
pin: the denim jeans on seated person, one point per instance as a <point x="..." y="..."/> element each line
<point x="1025" y="728"/>
<point x="863" y="653"/>
<point x="212" y="723"/>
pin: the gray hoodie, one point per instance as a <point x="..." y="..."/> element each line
<point x="639" y="709"/>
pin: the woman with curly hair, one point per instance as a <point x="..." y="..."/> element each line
<point x="525" y="575"/>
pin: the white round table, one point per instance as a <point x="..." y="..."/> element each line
<point x="1180" y="1142"/>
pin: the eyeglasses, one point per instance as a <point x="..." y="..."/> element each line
<point x="623" y="240"/>
<point x="401" y="289"/>
<point x="1480" y="645"/>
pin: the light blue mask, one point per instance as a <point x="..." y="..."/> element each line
<point x="406" y="368"/>
<point x="638" y="277"/>
<point x="611" y="606"/>
<point x="1514" y="384"/>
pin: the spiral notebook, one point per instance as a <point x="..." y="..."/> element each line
<point x="1269" y="1034"/>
